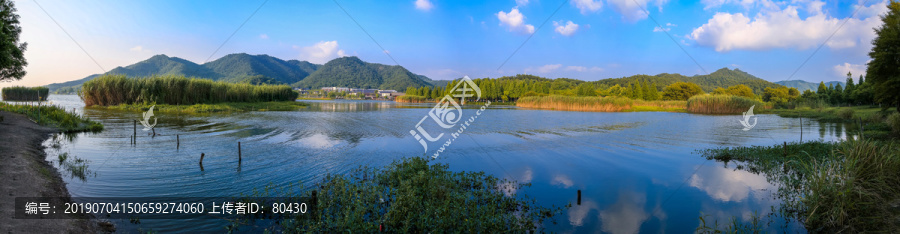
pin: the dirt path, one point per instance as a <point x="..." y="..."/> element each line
<point x="24" y="172"/>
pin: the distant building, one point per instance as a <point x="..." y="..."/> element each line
<point x="369" y="93"/>
<point x="386" y="93"/>
<point x="335" y="89"/>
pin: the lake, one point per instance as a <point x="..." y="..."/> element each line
<point x="638" y="172"/>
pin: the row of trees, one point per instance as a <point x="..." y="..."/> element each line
<point x="861" y="93"/>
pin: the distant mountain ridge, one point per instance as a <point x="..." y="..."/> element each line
<point x="720" y="78"/>
<point x="242" y="67"/>
<point x="804" y="85"/>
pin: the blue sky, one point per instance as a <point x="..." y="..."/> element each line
<point x="449" y="39"/>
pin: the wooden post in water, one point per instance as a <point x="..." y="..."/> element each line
<point x="135" y="131"/>
<point x="861" y="130"/>
<point x="239" y="152"/>
<point x="177" y="141"/>
<point x="201" y="160"/>
<point x="579" y="197"/>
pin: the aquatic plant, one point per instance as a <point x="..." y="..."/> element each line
<point x="846" y="113"/>
<point x="721" y="104"/>
<point x="20" y="93"/>
<point x="177" y="90"/>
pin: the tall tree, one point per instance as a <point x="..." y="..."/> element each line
<point x="884" y="69"/>
<point x="12" y="53"/>
<point x="822" y="88"/>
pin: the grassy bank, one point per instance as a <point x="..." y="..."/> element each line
<point x="722" y="104"/>
<point x="19" y="93"/>
<point x="876" y="124"/>
<point x="211" y="108"/>
<point x="851" y="186"/>
<point x="110" y="90"/>
<point x="54" y="116"/>
<point x="411" y="196"/>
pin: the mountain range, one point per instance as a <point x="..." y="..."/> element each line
<point x="720" y="78"/>
<point x="242" y="67"/>
<point x="803" y="85"/>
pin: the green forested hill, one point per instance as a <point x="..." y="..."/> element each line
<point x="721" y="78"/>
<point x="353" y="72"/>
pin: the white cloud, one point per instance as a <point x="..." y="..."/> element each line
<point x="263" y="36"/>
<point x="857" y="69"/>
<point x="747" y="4"/>
<point x="566" y="30"/>
<point x="588" y="6"/>
<point x="582" y="69"/>
<point x="321" y="52"/>
<point x="515" y="21"/>
<point x="521" y="2"/>
<point x="139" y="49"/>
<point x="633" y="10"/>
<point x="544" y="69"/>
<point x="726" y="184"/>
<point x="424" y="5"/>
<point x="660" y="29"/>
<point x="784" y="29"/>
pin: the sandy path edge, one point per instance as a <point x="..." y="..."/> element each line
<point x="24" y="173"/>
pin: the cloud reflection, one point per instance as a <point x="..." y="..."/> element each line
<point x="626" y="215"/>
<point x="319" y="141"/>
<point x="727" y="184"/>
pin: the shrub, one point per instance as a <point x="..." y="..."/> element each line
<point x="894" y="122"/>
<point x="846" y="113"/>
<point x="681" y="91"/>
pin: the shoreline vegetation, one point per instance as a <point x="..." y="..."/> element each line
<point x="851" y="186"/>
<point x="53" y="116"/>
<point x="210" y="108"/>
<point x="20" y="93"/>
<point x="110" y="90"/>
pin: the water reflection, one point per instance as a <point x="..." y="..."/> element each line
<point x="725" y="184"/>
<point x="625" y="215"/>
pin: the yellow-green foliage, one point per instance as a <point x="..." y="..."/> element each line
<point x="737" y="90"/>
<point x="177" y="90"/>
<point x="894" y="121"/>
<point x="411" y="98"/>
<point x="721" y="104"/>
<point x="570" y="103"/>
<point x="19" y="93"/>
<point x="54" y="116"/>
<point x="681" y="91"/>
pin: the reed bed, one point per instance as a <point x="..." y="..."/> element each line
<point x="573" y="103"/>
<point x="412" y="99"/>
<point x="54" y="116"/>
<point x="177" y="90"/>
<point x="721" y="104"/>
<point x="20" y="93"/>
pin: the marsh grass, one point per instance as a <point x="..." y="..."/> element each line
<point x="829" y="187"/>
<point x="110" y="90"/>
<point x="412" y="99"/>
<point x="20" y="93"/>
<point x="411" y="196"/>
<point x="211" y="108"/>
<point x="54" y="116"/>
<point x="722" y="104"/>
<point x="576" y="103"/>
<point x="893" y="121"/>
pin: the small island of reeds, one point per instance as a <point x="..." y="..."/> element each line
<point x="181" y="94"/>
<point x="19" y="93"/>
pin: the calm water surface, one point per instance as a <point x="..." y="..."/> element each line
<point x="638" y="172"/>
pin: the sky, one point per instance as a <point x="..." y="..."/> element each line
<point x="442" y="39"/>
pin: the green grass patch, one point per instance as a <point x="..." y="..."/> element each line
<point x="54" y="116"/>
<point x="829" y="187"/>
<point x="211" y="108"/>
<point x="20" y="93"/>
<point x="415" y="195"/>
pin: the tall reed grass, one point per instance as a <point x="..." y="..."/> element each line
<point x="177" y="90"/>
<point x="573" y="103"/>
<point x="411" y="99"/>
<point x="20" y="93"/>
<point x="721" y="104"/>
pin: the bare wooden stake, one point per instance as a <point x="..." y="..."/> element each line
<point x="239" y="152"/>
<point x="579" y="197"/>
<point x="177" y="141"/>
<point x="201" y="161"/>
<point x="801" y="127"/>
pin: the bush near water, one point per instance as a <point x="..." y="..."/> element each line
<point x="721" y="104"/>
<point x="20" y="93"/>
<point x="177" y="90"/>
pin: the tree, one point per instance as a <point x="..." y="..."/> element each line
<point x="848" y="92"/>
<point x="822" y="88"/>
<point x="883" y="70"/>
<point x="585" y="89"/>
<point x="681" y="91"/>
<point x="12" y="53"/>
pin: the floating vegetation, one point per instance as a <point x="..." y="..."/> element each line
<point x="76" y="167"/>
